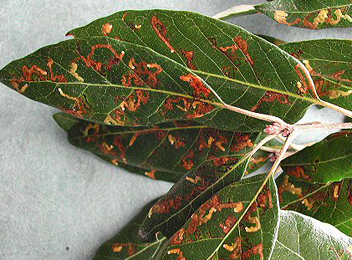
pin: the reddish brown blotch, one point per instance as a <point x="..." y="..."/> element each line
<point x="81" y="106"/>
<point x="203" y="216"/>
<point x="298" y="172"/>
<point x="240" y="44"/>
<point x="194" y="109"/>
<point x="161" y="30"/>
<point x="304" y="85"/>
<point x="151" y="174"/>
<point x="177" y="141"/>
<point x="118" y="247"/>
<point x="229" y="223"/>
<point x="121" y="147"/>
<point x="241" y="142"/>
<point x="107" y="28"/>
<point x="178" y="252"/>
<point x="336" y="190"/>
<point x="271" y="97"/>
<point x="91" y="63"/>
<point x="28" y="73"/>
<point x="187" y="160"/>
<point x="189" y="56"/>
<point x="197" y="84"/>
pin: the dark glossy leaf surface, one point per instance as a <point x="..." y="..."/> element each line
<point x="125" y="245"/>
<point x="330" y="203"/>
<point x="326" y="161"/>
<point x="244" y="70"/>
<point x="271" y="39"/>
<point x="109" y="81"/>
<point x="301" y="237"/>
<point x="309" y="14"/>
<point x="66" y="121"/>
<point x="228" y="226"/>
<point x="171" y="212"/>
<point x="145" y="172"/>
<point x="164" y="152"/>
<point x="329" y="63"/>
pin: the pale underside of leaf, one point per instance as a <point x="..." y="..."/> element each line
<point x="302" y="237"/>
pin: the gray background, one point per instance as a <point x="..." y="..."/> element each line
<point x="56" y="201"/>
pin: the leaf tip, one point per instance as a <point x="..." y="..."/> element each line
<point x="65" y="121"/>
<point x="2" y="75"/>
<point x="260" y="7"/>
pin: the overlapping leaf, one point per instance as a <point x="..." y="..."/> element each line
<point x="330" y="203"/>
<point x="197" y="186"/>
<point x="309" y="14"/>
<point x="166" y="151"/>
<point x="271" y="39"/>
<point x="244" y="70"/>
<point x="301" y="237"/>
<point x="324" y="162"/>
<point x="171" y="212"/>
<point x="126" y="245"/>
<point x="232" y="224"/>
<point x="329" y="200"/>
<point x="328" y="61"/>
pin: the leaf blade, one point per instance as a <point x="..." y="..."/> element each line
<point x="330" y="203"/>
<point x="125" y="244"/>
<point x="323" y="162"/>
<point x="213" y="239"/>
<point x="241" y="68"/>
<point x="328" y="62"/>
<point x="166" y="151"/>
<point x="309" y="239"/>
<point x="307" y="14"/>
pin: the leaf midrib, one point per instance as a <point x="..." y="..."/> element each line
<point x="310" y="100"/>
<point x="290" y="250"/>
<point x="148" y="130"/>
<point x="244" y="212"/>
<point x="320" y="162"/>
<point x="204" y="191"/>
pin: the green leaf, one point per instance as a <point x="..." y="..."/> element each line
<point x="165" y="151"/>
<point x="309" y="14"/>
<point x="173" y="209"/>
<point x="302" y="237"/>
<point x="262" y="156"/>
<point x="330" y="203"/>
<point x="311" y="182"/>
<point x="126" y="245"/>
<point x="328" y="61"/>
<point x="271" y="39"/>
<point x="241" y="68"/>
<point x="232" y="224"/>
<point x="324" y="162"/>
<point x="93" y="79"/>
<point x="158" y="175"/>
<point x="66" y="121"/>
